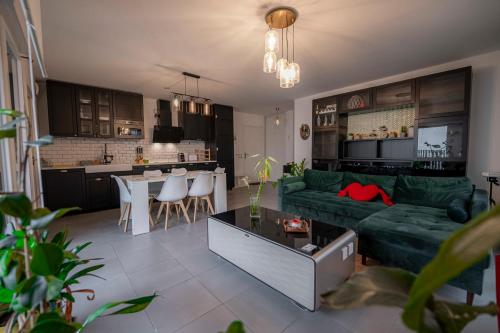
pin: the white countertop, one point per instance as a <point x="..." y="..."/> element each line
<point x="114" y="167"/>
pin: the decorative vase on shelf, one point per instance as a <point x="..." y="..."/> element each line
<point x="254" y="206"/>
<point x="318" y="120"/>
<point x="410" y="132"/>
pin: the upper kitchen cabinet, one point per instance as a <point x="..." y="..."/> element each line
<point x="394" y="94"/>
<point x="444" y="94"/>
<point x="85" y="107"/>
<point x="61" y="109"/>
<point x="356" y="101"/>
<point x="104" y="112"/>
<point x="127" y="106"/>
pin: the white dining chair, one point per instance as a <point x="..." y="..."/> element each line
<point x="126" y="198"/>
<point x="173" y="191"/>
<point x="153" y="188"/>
<point x="202" y="187"/>
<point x="219" y="170"/>
<point x="178" y="171"/>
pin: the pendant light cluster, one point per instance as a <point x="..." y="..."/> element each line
<point x="286" y="69"/>
<point x="189" y="103"/>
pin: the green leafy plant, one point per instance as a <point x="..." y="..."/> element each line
<point x="296" y="169"/>
<point x="38" y="275"/>
<point x="235" y="327"/>
<point x="263" y="169"/>
<point x="422" y="310"/>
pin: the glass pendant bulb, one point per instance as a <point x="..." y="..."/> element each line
<point x="269" y="64"/>
<point x="286" y="77"/>
<point x="271" y="41"/>
<point x="206" y="108"/>
<point x="277" y="121"/>
<point x="192" y="106"/>
<point x="295" y="72"/>
<point x="176" y="101"/>
<point x="280" y="67"/>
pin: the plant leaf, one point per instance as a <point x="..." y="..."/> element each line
<point x="138" y="304"/>
<point x="5" y="258"/>
<point x="6" y="295"/>
<point x="43" y="221"/>
<point x="80" y="247"/>
<point x="84" y="272"/>
<point x="53" y="323"/>
<point x="10" y="113"/>
<point x="43" y="141"/>
<point x="29" y="293"/>
<point x="374" y="286"/>
<point x="60" y="238"/>
<point x="7" y="241"/>
<point x="235" y="327"/>
<point x="452" y="318"/>
<point x="464" y="248"/>
<point x="11" y="124"/>
<point x="16" y="205"/>
<point x="8" y="133"/>
<point x="47" y="259"/>
<point x="54" y="288"/>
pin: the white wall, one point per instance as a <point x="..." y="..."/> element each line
<point x="484" y="137"/>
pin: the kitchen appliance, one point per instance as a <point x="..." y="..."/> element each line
<point x="167" y="134"/>
<point x="129" y="129"/>
<point x="139" y="154"/>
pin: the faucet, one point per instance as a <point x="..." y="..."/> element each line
<point x="107" y="159"/>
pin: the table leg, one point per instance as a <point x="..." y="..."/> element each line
<point x="140" y="207"/>
<point x="220" y="193"/>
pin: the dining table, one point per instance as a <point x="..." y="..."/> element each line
<point x="139" y="187"/>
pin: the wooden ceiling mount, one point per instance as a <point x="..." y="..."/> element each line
<point x="281" y="17"/>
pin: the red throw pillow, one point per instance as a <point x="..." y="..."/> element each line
<point x="358" y="192"/>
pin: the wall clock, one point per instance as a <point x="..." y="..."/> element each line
<point x="305" y="131"/>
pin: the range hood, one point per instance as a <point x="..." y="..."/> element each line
<point x="167" y="134"/>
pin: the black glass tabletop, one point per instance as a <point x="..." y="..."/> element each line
<point x="270" y="227"/>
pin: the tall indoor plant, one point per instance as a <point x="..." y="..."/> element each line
<point x="263" y="169"/>
<point x="40" y="274"/>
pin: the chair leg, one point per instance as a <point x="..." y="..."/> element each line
<point x="209" y="204"/>
<point x="189" y="203"/>
<point x="159" y="211"/>
<point x="177" y="210"/>
<point x="363" y="260"/>
<point x="128" y="217"/>
<point x="470" y="298"/>
<point x="166" y="215"/>
<point x="123" y="213"/>
<point x="195" y="208"/>
<point x="186" y="216"/>
<point x="151" y="222"/>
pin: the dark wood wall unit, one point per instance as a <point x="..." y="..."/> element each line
<point x="223" y="140"/>
<point x="61" y="109"/>
<point x="64" y="188"/>
<point x="165" y="112"/>
<point x="128" y="106"/>
<point x="439" y="146"/>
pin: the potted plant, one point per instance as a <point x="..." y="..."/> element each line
<point x="263" y="169"/>
<point x="39" y="274"/>
<point x="404" y="132"/>
<point x="350" y="136"/>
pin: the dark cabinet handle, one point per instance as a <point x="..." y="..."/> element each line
<point x="98" y="179"/>
<point x="63" y="171"/>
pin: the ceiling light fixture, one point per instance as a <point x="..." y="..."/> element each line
<point x="287" y="70"/>
<point x="190" y="103"/>
<point x="277" y="119"/>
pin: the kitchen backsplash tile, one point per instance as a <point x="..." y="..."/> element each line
<point x="73" y="150"/>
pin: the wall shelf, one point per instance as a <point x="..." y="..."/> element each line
<point x="380" y="139"/>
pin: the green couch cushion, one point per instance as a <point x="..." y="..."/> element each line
<point x="458" y="210"/>
<point x="417" y="227"/>
<point x="294" y="187"/>
<point x="436" y="192"/>
<point x="330" y="202"/>
<point x="384" y="182"/>
<point x="328" y="181"/>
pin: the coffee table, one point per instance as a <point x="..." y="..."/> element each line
<point x="263" y="249"/>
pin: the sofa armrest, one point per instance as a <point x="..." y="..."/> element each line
<point x="284" y="182"/>
<point x="479" y="203"/>
<point x="293" y="187"/>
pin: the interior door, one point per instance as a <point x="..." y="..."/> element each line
<point x="252" y="143"/>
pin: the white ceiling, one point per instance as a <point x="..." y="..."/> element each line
<point x="143" y="45"/>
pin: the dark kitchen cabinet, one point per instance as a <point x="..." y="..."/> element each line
<point x="324" y="145"/>
<point x="98" y="191"/>
<point x="85" y="107"/>
<point x="224" y="140"/>
<point x="444" y="94"/>
<point x="61" y="109"/>
<point x="356" y="101"/>
<point x="64" y="188"/>
<point x="196" y="126"/>
<point x="127" y="106"/>
<point x="104" y="113"/>
<point x="394" y="94"/>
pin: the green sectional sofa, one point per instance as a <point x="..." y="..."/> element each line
<point x="406" y="235"/>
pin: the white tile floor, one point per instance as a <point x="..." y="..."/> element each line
<point x="202" y="293"/>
